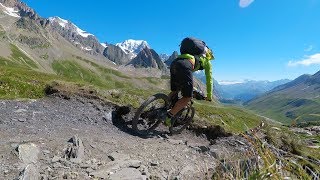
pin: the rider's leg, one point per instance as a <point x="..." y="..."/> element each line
<point x="183" y="102"/>
<point x="171" y="94"/>
<point x="181" y="79"/>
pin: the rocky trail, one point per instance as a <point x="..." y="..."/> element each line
<point x="78" y="137"/>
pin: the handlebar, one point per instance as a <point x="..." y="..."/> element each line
<point x="198" y="95"/>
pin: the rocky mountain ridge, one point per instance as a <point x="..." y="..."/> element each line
<point x="172" y="57"/>
<point x="83" y="40"/>
<point x="26" y="18"/>
<point x="116" y="54"/>
<point x="148" y="58"/>
<point x="25" y="11"/>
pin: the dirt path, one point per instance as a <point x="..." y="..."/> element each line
<point x="103" y="147"/>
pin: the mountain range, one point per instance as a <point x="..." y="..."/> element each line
<point x="240" y="92"/>
<point x="56" y="38"/>
<point x="247" y="90"/>
<point x="296" y="102"/>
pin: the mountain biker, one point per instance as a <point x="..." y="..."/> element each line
<point x="195" y="55"/>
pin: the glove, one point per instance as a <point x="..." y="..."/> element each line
<point x="209" y="54"/>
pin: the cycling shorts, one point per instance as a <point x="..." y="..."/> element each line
<point x="181" y="77"/>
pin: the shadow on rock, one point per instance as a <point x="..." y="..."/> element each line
<point x="211" y="132"/>
<point x="122" y="118"/>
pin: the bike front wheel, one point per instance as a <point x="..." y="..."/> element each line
<point x="182" y="120"/>
<point x="150" y="113"/>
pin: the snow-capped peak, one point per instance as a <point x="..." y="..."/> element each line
<point x="70" y="26"/>
<point x="164" y="56"/>
<point x="133" y="46"/>
<point x="10" y="11"/>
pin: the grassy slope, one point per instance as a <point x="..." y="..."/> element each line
<point x="287" y="109"/>
<point x="18" y="79"/>
<point x="233" y="119"/>
<point x="283" y="138"/>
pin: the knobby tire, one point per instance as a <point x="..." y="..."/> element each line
<point x="135" y="121"/>
<point x="186" y="120"/>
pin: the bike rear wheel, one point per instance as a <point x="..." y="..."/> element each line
<point x="181" y="120"/>
<point x="150" y="113"/>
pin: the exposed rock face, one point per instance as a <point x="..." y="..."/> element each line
<point x="25" y="11"/>
<point x="116" y="54"/>
<point x="148" y="58"/>
<point x="79" y="38"/>
<point x="171" y="58"/>
<point x="75" y="150"/>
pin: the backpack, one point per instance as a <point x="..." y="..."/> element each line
<point x="192" y="46"/>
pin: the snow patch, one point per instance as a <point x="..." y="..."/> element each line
<point x="62" y="22"/>
<point x="81" y="32"/>
<point x="68" y="25"/>
<point x="10" y="11"/>
<point x="104" y="45"/>
<point x="87" y="48"/>
<point x="132" y="55"/>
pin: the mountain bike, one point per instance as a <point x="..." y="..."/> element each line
<point x="153" y="112"/>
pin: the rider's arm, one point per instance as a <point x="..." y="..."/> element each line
<point x="208" y="72"/>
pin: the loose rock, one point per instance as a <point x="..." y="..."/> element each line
<point x="28" y="153"/>
<point x="127" y="174"/>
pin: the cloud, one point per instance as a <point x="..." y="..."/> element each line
<point x="307" y="61"/>
<point x="245" y="3"/>
<point x="227" y="82"/>
<point x="309" y="48"/>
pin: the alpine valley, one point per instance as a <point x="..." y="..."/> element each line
<point x="296" y="102"/>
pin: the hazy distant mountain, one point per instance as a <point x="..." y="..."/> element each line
<point x="298" y="100"/>
<point x="247" y="90"/>
<point x="240" y="92"/>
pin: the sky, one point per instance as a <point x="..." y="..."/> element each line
<point x="251" y="39"/>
